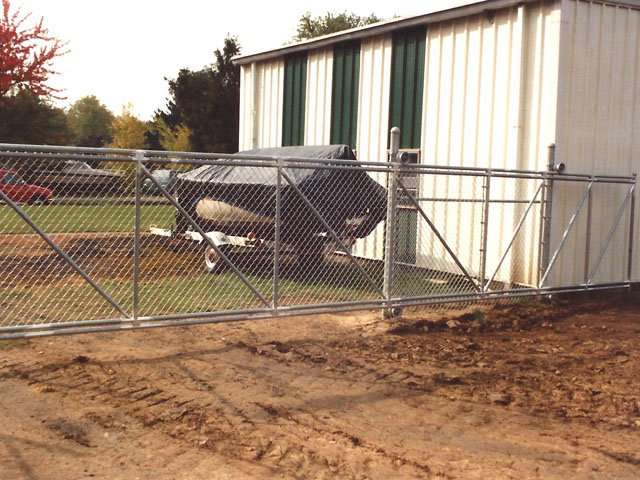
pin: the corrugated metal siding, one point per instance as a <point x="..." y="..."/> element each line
<point x="538" y="110"/>
<point x="496" y="95"/>
<point x="246" y="108"/>
<point x="491" y="89"/>
<point x="373" y="127"/>
<point x="599" y="121"/>
<point x="541" y="74"/>
<point x="318" y="111"/>
<point x="490" y="80"/>
<point x="264" y="100"/>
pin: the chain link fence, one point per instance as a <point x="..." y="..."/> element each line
<point x="99" y="239"/>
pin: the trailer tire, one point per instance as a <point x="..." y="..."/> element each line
<point x="212" y="262"/>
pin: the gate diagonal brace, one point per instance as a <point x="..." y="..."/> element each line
<point x="566" y="233"/>
<point x="63" y="254"/>
<point x="333" y="234"/>
<point x="515" y="233"/>
<point x="440" y="237"/>
<point x="205" y="237"/>
<point x="621" y="210"/>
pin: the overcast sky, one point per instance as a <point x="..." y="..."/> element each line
<point x="122" y="50"/>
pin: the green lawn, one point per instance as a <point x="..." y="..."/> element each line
<point x="184" y="288"/>
<point x="201" y="292"/>
<point x="85" y="218"/>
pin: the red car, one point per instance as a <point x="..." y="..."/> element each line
<point x="19" y="191"/>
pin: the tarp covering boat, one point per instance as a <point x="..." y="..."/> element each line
<point x="348" y="199"/>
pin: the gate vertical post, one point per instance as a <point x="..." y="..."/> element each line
<point x="139" y="157"/>
<point x="543" y="202"/>
<point x="632" y="214"/>
<point x="485" y="231"/>
<point x="276" y="252"/>
<point x="545" y="232"/>
<point x="390" y="234"/>
<point x="587" y="246"/>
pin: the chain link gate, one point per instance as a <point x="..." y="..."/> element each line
<point x="113" y="241"/>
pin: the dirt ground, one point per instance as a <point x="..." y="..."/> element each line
<point x="516" y="391"/>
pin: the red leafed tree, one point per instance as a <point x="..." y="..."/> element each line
<point x="26" y="55"/>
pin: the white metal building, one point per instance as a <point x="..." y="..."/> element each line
<point x="489" y="84"/>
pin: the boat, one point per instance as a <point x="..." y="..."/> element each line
<point x="79" y="177"/>
<point x="240" y="200"/>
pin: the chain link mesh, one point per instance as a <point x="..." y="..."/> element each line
<point x="459" y="235"/>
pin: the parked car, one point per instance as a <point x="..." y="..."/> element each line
<point x="78" y="177"/>
<point x="14" y="187"/>
<point x="166" y="178"/>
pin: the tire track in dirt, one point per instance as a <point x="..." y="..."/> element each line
<point x="286" y="444"/>
<point x="315" y="356"/>
<point x="354" y="404"/>
<point x="287" y="418"/>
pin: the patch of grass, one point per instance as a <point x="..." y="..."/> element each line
<point x="200" y="292"/>
<point x="84" y="218"/>
<point x="226" y="291"/>
<point x="532" y="301"/>
<point x="62" y="303"/>
<point x="478" y="315"/>
<point x="185" y="288"/>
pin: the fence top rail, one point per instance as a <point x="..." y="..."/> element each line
<point x="49" y="152"/>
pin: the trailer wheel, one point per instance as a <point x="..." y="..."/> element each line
<point x="212" y="261"/>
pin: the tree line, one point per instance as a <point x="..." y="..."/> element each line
<point x="201" y="113"/>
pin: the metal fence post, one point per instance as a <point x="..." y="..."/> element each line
<point x="587" y="247"/>
<point x="485" y="231"/>
<point x="632" y="214"/>
<point x="390" y="234"/>
<point x="545" y="232"/>
<point x="139" y="157"/>
<point x="276" y="252"/>
<point x="543" y="201"/>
